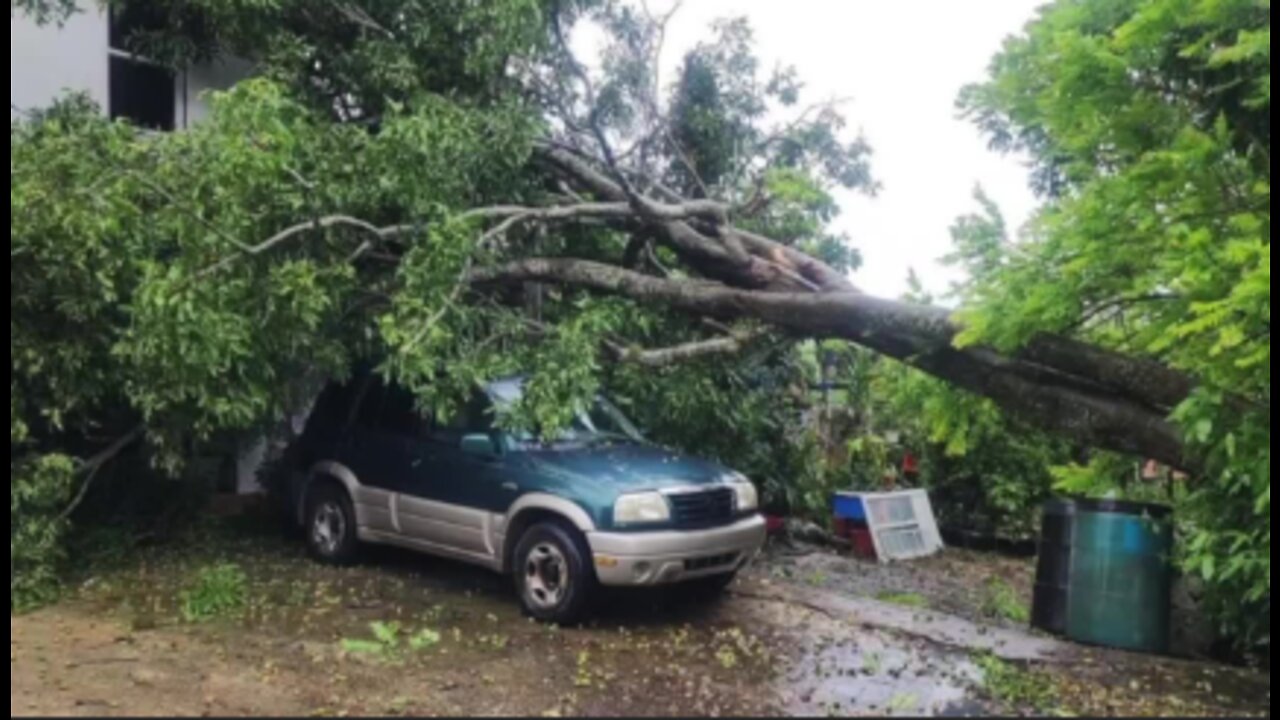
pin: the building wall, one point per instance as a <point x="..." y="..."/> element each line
<point x="45" y="61"/>
<point x="48" y="61"/>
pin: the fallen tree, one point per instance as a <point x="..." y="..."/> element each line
<point x="447" y="186"/>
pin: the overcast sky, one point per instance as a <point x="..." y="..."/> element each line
<point x="903" y="62"/>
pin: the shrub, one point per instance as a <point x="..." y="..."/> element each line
<point x="218" y="591"/>
<point x="40" y="490"/>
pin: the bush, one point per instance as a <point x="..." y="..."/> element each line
<point x="40" y="490"/>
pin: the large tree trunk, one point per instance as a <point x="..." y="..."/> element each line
<point x="1086" y="394"/>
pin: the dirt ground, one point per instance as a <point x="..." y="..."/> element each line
<point x="799" y="635"/>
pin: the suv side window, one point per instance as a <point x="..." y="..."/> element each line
<point x="390" y="410"/>
<point x="475" y="417"/>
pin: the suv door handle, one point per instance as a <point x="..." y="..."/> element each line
<point x="510" y="487"/>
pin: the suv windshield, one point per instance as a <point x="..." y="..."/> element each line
<point x="602" y="422"/>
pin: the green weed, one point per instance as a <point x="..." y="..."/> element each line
<point x="1015" y="686"/>
<point x="1002" y="601"/>
<point x="218" y="591"/>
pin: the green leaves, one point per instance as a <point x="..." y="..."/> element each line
<point x="17" y="428"/>
<point x="424" y="640"/>
<point x="1208" y="568"/>
<point x="386" y="633"/>
<point x="1155" y="237"/>
<point x="388" y="645"/>
<point x="40" y="489"/>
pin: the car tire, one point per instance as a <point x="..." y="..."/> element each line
<point x="331" y="526"/>
<point x="553" y="574"/>
<point x="710" y="589"/>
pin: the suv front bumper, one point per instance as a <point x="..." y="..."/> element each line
<point x="666" y="557"/>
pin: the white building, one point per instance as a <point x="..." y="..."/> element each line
<point x="86" y="54"/>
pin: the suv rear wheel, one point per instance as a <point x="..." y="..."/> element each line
<point x="331" y="526"/>
<point x="553" y="574"/>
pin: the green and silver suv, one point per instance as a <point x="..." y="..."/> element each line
<point x="598" y="505"/>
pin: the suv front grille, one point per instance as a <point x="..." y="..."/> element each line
<point x="710" y="563"/>
<point x="702" y="508"/>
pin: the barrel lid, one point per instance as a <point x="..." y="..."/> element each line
<point x="1060" y="506"/>
<point x="1124" y="507"/>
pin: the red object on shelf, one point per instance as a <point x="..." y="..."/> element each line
<point x="910" y="466"/>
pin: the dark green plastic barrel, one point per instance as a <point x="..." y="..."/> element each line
<point x="1121" y="576"/>
<point x="1053" y="567"/>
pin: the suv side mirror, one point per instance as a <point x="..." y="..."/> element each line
<point x="481" y="446"/>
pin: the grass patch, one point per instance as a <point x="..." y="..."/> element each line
<point x="1003" y="602"/>
<point x="817" y="579"/>
<point x="907" y="600"/>
<point x="1015" y="686"/>
<point x="218" y="591"/>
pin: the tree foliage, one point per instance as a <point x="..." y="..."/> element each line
<point x="1148" y="122"/>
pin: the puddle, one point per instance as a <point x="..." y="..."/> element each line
<point x="881" y="674"/>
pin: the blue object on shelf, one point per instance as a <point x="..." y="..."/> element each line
<point x="850" y="507"/>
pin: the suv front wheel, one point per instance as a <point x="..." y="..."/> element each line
<point x="553" y="574"/>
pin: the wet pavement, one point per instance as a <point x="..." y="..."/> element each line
<point x="843" y="668"/>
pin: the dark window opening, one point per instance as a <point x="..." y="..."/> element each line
<point x="135" y="19"/>
<point x="142" y="94"/>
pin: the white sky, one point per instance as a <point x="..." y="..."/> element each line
<point x="903" y="62"/>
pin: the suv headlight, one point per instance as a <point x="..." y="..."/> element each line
<point x="747" y="498"/>
<point x="641" y="509"/>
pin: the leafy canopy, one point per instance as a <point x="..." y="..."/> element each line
<point x="1148" y="123"/>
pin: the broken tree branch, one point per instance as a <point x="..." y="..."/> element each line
<point x="1084" y="406"/>
<point x="89" y="469"/>
<point x="299" y="230"/>
<point x="657" y="358"/>
<point x="358" y="16"/>
<point x="664" y="357"/>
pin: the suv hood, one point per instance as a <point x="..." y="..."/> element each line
<point x="627" y="467"/>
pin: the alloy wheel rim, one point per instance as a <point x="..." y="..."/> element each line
<point x="546" y="574"/>
<point x="329" y="529"/>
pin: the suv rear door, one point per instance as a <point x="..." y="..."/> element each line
<point x="457" y="502"/>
